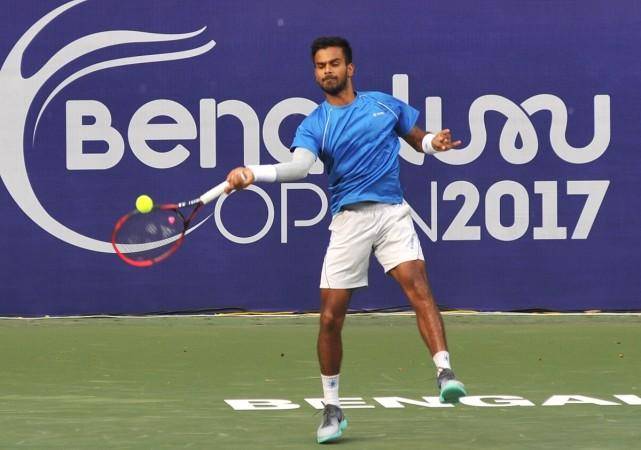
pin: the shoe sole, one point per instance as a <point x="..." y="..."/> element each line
<point x="333" y="437"/>
<point x="452" y="392"/>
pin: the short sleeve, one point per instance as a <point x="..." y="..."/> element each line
<point x="307" y="136"/>
<point x="405" y="114"/>
<point x="406" y="119"/>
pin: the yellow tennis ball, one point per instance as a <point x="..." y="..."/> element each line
<point x="144" y="204"/>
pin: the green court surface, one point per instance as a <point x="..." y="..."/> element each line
<point x="161" y="383"/>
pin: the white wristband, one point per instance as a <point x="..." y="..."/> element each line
<point x="264" y="172"/>
<point x="426" y="144"/>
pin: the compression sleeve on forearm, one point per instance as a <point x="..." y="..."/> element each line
<point x="296" y="169"/>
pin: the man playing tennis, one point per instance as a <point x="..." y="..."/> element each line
<point x="355" y="134"/>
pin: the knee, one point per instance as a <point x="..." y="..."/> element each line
<point x="417" y="288"/>
<point x="421" y="305"/>
<point x="420" y="296"/>
<point x="330" y="322"/>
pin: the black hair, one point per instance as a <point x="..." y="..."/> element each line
<point x="332" y="41"/>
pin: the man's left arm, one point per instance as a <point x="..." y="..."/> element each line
<point x="428" y="142"/>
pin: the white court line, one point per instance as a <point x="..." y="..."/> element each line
<point x="302" y="315"/>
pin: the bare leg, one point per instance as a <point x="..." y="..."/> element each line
<point x="412" y="277"/>
<point x="334" y="304"/>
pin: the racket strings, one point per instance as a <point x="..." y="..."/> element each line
<point x="149" y="236"/>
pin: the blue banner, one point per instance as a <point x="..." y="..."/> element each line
<point x="104" y="100"/>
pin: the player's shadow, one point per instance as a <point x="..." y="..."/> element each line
<point x="352" y="440"/>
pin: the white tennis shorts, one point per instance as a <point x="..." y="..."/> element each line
<point x="359" y="229"/>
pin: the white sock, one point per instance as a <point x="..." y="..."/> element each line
<point x="441" y="361"/>
<point x="330" y="389"/>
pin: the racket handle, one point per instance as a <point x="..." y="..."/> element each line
<point x="213" y="193"/>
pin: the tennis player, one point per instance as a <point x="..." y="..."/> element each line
<point x="355" y="134"/>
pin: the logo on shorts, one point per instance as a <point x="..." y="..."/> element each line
<point x="413" y="242"/>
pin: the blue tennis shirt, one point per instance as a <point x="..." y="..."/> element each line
<point x="358" y="143"/>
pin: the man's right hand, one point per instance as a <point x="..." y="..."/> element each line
<point x="239" y="178"/>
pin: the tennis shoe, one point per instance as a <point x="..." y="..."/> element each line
<point x="451" y="389"/>
<point x="332" y="425"/>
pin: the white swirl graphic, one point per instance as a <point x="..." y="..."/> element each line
<point x="574" y="155"/>
<point x="518" y="124"/>
<point x="18" y="94"/>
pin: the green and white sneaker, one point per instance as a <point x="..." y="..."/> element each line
<point x="451" y="389"/>
<point x="332" y="425"/>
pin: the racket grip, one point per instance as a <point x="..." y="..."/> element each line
<point x="213" y="193"/>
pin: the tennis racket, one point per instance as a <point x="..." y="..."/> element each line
<point x="145" y="239"/>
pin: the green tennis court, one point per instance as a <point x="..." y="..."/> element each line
<point x="161" y="383"/>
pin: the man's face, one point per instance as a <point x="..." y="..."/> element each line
<point x="331" y="71"/>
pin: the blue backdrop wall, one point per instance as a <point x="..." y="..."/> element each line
<point x="538" y="209"/>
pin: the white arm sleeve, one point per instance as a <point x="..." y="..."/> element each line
<point x="296" y="169"/>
